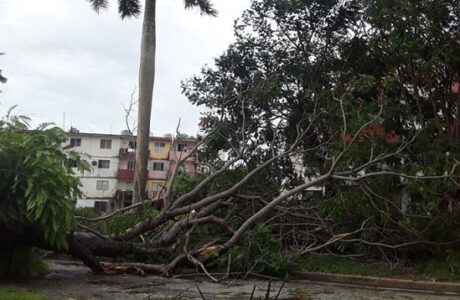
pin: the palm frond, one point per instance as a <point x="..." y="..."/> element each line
<point x="205" y="6"/>
<point x="129" y="8"/>
<point x="99" y="4"/>
<point x="2" y="79"/>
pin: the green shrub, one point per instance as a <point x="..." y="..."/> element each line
<point x="261" y="253"/>
<point x="36" y="183"/>
<point x="37" y="187"/>
<point x="126" y="220"/>
<point x="87" y="212"/>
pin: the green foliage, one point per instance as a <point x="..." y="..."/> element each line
<point x="37" y="184"/>
<point x="261" y="252"/>
<point x="119" y="224"/>
<point x="19" y="262"/>
<point x="266" y="184"/>
<point x="87" y="212"/>
<point x="20" y="295"/>
<point x="185" y="182"/>
<point x="390" y="61"/>
<point x="293" y="58"/>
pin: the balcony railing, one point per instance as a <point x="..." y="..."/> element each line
<point x="124" y="174"/>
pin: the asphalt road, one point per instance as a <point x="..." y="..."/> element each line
<point x="69" y="281"/>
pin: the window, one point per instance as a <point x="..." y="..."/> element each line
<point x="106" y="144"/>
<point x="75" y="142"/>
<point x="158" y="166"/>
<point x="156" y="187"/>
<point x="182" y="147"/>
<point x="104" y="164"/>
<point x="102" y="185"/>
<point x="72" y="163"/>
<point x="100" y="205"/>
<point x="132" y="145"/>
<point x="131" y="165"/>
<point x="159" y="146"/>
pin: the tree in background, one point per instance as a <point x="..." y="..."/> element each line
<point x="299" y="66"/>
<point x="132" y="8"/>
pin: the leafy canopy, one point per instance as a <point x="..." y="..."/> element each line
<point x="298" y="65"/>
<point x="293" y="60"/>
<point x="37" y="184"/>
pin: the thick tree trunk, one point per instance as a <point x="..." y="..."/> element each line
<point x="83" y="246"/>
<point x="146" y="82"/>
<point x="30" y="238"/>
<point x="80" y="251"/>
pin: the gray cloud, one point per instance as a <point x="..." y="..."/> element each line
<point x="63" y="57"/>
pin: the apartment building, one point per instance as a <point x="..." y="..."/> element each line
<point x="109" y="185"/>
<point x="163" y="155"/>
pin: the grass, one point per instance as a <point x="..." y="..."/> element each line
<point x="443" y="269"/>
<point x="438" y="269"/>
<point x="20" y="295"/>
<point x="330" y="264"/>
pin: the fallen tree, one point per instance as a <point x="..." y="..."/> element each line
<point x="35" y="215"/>
<point x="290" y="114"/>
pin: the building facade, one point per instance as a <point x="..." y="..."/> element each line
<point x="109" y="185"/>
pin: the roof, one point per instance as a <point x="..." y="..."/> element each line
<point x="123" y="136"/>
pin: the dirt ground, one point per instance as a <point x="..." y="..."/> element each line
<point x="69" y="281"/>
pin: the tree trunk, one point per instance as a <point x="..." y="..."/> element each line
<point x="146" y="81"/>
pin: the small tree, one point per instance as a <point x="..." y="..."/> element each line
<point x="37" y="189"/>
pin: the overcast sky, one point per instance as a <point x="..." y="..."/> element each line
<point x="63" y="57"/>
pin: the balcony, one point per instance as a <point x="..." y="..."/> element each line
<point x="125" y="174"/>
<point x="178" y="155"/>
<point x="128" y="175"/>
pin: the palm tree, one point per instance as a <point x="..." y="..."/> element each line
<point x="132" y="8"/>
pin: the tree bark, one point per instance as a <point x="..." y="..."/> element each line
<point x="78" y="250"/>
<point x="83" y="246"/>
<point x="146" y="83"/>
<point x="31" y="238"/>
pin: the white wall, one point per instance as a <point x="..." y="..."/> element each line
<point x="91" y="145"/>
<point x="125" y="185"/>
<point x="91" y="151"/>
<point x="81" y="203"/>
<point x="90" y="191"/>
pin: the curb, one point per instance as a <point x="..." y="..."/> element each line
<point x="378" y="282"/>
